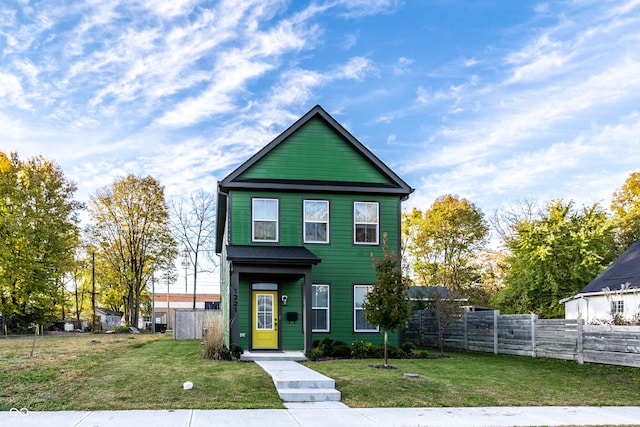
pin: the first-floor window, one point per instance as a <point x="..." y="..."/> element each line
<point x="320" y="307"/>
<point x="360" y="323"/>
<point x="617" y="307"/>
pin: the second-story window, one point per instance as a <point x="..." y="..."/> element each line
<point x="365" y="223"/>
<point x="316" y="221"/>
<point x="264" y="218"/>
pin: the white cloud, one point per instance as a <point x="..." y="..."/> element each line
<point x="11" y="91"/>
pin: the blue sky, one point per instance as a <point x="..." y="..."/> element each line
<point x="492" y="100"/>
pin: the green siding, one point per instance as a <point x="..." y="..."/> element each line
<point x="225" y="279"/>
<point x="292" y="332"/>
<point x="315" y="152"/>
<point x="343" y="263"/>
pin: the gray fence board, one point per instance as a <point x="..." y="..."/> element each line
<point x="189" y="324"/>
<point x="526" y="335"/>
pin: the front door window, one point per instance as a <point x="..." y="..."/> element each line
<point x="265" y="319"/>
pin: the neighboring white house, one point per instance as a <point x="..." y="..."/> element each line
<point x="616" y="291"/>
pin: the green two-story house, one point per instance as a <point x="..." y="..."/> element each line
<point x="296" y="226"/>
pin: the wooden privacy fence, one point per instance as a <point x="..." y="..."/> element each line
<point x="526" y="335"/>
<point x="189" y="324"/>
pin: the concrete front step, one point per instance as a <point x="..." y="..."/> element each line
<point x="326" y="383"/>
<point x="297" y="383"/>
<point x="255" y="356"/>
<point x="309" y="395"/>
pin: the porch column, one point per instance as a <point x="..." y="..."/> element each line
<point x="233" y="307"/>
<point x="307" y="311"/>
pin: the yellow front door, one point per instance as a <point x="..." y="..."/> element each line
<point x="265" y="319"/>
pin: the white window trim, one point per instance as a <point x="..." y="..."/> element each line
<point x="617" y="307"/>
<point x="327" y="308"/>
<point x="304" y="221"/>
<point x="377" y="224"/>
<point x="253" y="220"/>
<point x="355" y="309"/>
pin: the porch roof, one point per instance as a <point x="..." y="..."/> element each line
<point x="274" y="255"/>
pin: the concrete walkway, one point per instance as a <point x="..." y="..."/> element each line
<point x="328" y="414"/>
<point x="297" y="383"/>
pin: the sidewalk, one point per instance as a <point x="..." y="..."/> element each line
<point x="333" y="414"/>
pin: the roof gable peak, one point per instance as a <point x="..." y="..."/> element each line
<point x="387" y="181"/>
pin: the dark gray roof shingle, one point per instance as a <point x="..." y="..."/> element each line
<point x="298" y="255"/>
<point x="625" y="269"/>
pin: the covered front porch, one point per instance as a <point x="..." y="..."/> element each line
<point x="270" y="297"/>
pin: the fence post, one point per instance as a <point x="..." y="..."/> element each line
<point x="496" y="313"/>
<point x="579" y="330"/>
<point x="466" y="335"/>
<point x="534" y="317"/>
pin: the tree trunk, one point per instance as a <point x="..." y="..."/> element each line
<point x="62" y="302"/>
<point x="386" y="345"/>
<point x="136" y="306"/>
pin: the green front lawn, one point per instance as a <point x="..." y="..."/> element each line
<point x="110" y="372"/>
<point x="480" y="379"/>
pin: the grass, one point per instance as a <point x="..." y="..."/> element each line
<point x="110" y="372"/>
<point x="114" y="372"/>
<point x="479" y="379"/>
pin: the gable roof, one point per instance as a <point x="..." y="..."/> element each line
<point x="108" y="312"/>
<point x="625" y="270"/>
<point x="393" y="184"/>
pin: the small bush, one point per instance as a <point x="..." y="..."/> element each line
<point x="328" y="347"/>
<point x="419" y="354"/>
<point x="313" y="354"/>
<point x="366" y="350"/>
<point x="408" y="346"/>
<point x="362" y="349"/>
<point x="341" y="350"/>
<point x="236" y="351"/>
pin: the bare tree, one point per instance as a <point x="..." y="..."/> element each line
<point x="194" y="223"/>
<point x="504" y="221"/>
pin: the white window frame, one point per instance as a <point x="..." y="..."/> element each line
<point x="357" y="309"/>
<point x="327" y="309"/>
<point x="356" y="223"/>
<point x="305" y="221"/>
<point x="617" y="307"/>
<point x="255" y="219"/>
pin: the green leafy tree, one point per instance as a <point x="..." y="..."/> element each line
<point x="554" y="257"/>
<point x="387" y="304"/>
<point x="132" y="232"/>
<point x="442" y="244"/>
<point x="38" y="236"/>
<point x="625" y="206"/>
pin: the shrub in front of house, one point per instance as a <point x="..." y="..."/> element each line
<point x="329" y="348"/>
<point x="367" y="350"/>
